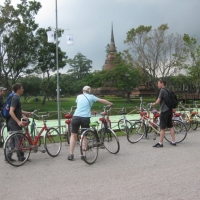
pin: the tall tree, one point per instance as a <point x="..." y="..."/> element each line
<point x="80" y="66"/>
<point x="46" y="63"/>
<point x="193" y="60"/>
<point x="158" y="53"/>
<point x="17" y="41"/>
<point x="124" y="76"/>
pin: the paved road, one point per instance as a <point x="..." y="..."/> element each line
<point x="138" y="172"/>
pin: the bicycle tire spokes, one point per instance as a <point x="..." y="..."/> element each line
<point x="89" y="146"/>
<point x="179" y="129"/>
<point x="52" y="141"/>
<point x="17" y="149"/>
<point x="109" y="140"/>
<point x="137" y="132"/>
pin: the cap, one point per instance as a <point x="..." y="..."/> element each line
<point x="2" y="88"/>
<point x="86" y="88"/>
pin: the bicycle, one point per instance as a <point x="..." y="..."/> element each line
<point x="124" y="125"/>
<point x="92" y="139"/>
<point x="68" y="128"/>
<point x="139" y="128"/>
<point x="190" y="119"/>
<point x="21" y="142"/>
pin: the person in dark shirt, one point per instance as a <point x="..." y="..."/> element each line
<point x="2" y="93"/>
<point x="165" y="115"/>
<point x="16" y="113"/>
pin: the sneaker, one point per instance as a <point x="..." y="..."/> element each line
<point x="21" y="159"/>
<point x="70" y="157"/>
<point x="158" y="145"/>
<point x="173" y="144"/>
<point x="83" y="157"/>
<point x="10" y="159"/>
<point x="1" y="144"/>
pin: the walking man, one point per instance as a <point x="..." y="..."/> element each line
<point x="165" y="115"/>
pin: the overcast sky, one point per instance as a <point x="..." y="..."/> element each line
<point x="90" y="22"/>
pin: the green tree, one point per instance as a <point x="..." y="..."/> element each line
<point x="124" y="77"/>
<point x="31" y="85"/>
<point x="193" y="60"/>
<point x="46" y="63"/>
<point x="17" y="41"/>
<point x="80" y="66"/>
<point x="158" y="53"/>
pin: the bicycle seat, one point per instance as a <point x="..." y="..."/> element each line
<point x="67" y="121"/>
<point x="154" y="111"/>
<point x="143" y="113"/>
<point x="173" y="111"/>
<point x="177" y="114"/>
<point x="68" y="116"/>
<point x="156" y="115"/>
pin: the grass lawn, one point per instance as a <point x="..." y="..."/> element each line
<point x="67" y="103"/>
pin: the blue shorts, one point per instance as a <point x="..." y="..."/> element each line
<point x="166" y="119"/>
<point x="77" y="122"/>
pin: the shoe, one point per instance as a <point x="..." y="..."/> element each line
<point x="158" y="145"/>
<point x="173" y="144"/>
<point x="83" y="157"/>
<point x="1" y="144"/>
<point x="21" y="159"/>
<point x="70" y="157"/>
<point x="10" y="159"/>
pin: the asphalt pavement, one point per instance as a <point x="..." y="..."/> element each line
<point x="138" y="172"/>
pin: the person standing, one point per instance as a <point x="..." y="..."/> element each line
<point x="82" y="115"/>
<point x="14" y="122"/>
<point x="165" y="115"/>
<point x="2" y="93"/>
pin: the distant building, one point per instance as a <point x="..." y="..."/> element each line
<point x="111" y="54"/>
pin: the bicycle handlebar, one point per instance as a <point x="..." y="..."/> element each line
<point x="39" y="116"/>
<point x="71" y="109"/>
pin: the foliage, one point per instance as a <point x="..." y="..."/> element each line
<point x="157" y="53"/>
<point x="17" y="41"/>
<point x="80" y="66"/>
<point x="193" y="60"/>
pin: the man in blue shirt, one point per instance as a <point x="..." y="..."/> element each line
<point x="82" y="115"/>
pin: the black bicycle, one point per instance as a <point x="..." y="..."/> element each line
<point x="92" y="139"/>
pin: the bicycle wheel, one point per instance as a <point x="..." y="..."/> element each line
<point x="194" y="122"/>
<point x="109" y="140"/>
<point x="137" y="133"/>
<point x="52" y="142"/>
<point x="68" y="133"/>
<point x="186" y="121"/>
<point x="4" y="133"/>
<point x="17" y="149"/>
<point x="89" y="146"/>
<point x="180" y="131"/>
<point x="124" y="125"/>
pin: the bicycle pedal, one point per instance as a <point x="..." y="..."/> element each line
<point x="42" y="151"/>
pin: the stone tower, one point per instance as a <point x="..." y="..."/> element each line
<point x="111" y="54"/>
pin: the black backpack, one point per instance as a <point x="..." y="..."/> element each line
<point x="171" y="99"/>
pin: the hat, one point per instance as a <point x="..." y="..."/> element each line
<point x="86" y="88"/>
<point x="2" y="88"/>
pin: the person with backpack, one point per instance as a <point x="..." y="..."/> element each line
<point x="2" y="93"/>
<point x="164" y="99"/>
<point x="16" y="113"/>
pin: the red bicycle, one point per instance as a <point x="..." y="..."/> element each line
<point x="68" y="128"/>
<point x="20" y="144"/>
